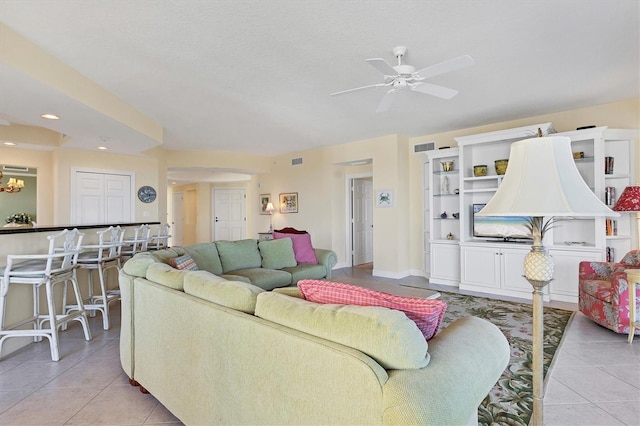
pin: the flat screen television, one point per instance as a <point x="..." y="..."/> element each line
<point x="505" y="228"/>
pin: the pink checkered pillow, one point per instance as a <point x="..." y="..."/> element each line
<point x="184" y="263"/>
<point x="426" y="313"/>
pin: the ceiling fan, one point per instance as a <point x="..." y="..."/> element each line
<point x="403" y="76"/>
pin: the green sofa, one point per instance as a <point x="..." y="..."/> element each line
<point x="266" y="264"/>
<point x="215" y="351"/>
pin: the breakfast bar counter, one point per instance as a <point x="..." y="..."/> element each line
<point x="33" y="240"/>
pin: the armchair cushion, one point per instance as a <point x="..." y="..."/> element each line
<point x="604" y="291"/>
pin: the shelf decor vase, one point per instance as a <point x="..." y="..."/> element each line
<point x="447" y="166"/>
<point x="501" y="166"/>
<point x="480" y="170"/>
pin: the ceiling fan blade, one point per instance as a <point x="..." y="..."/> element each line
<point x="357" y="88"/>
<point x="382" y="66"/>
<point x="434" y="90"/>
<point x="446" y="66"/>
<point x="386" y="101"/>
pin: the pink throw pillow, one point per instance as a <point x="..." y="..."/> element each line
<point x="426" y="313"/>
<point x="302" y="248"/>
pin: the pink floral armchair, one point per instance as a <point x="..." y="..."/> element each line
<point x="604" y="292"/>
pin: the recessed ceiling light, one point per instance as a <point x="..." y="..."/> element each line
<point x="50" y="116"/>
<point x="104" y="148"/>
<point x="9" y="143"/>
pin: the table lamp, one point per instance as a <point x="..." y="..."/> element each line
<point x="542" y="181"/>
<point x="629" y="201"/>
<point x="270" y="209"/>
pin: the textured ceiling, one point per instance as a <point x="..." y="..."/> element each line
<point x="255" y="76"/>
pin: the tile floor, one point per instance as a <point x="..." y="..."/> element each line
<point x="595" y="379"/>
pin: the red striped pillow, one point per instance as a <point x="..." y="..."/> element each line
<point x="426" y="313"/>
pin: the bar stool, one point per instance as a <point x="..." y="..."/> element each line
<point x="160" y="240"/>
<point x="101" y="257"/>
<point x="137" y="244"/>
<point x="55" y="267"/>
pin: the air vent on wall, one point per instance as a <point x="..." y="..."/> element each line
<point x="15" y="169"/>
<point x="296" y="161"/>
<point x="422" y="147"/>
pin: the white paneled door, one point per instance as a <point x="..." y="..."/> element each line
<point x="362" y="221"/>
<point x="101" y="197"/>
<point x="177" y="220"/>
<point x="229" y="214"/>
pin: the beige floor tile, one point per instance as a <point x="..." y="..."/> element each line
<point x="627" y="412"/>
<point x="48" y="407"/>
<point x="116" y="406"/>
<point x="594" y="384"/>
<point x="557" y="393"/>
<point x="578" y="415"/>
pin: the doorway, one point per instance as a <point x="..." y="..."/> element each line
<point x="361" y="208"/>
<point x="229" y="214"/>
<point x="177" y="219"/>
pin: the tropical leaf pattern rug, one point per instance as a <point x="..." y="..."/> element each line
<point x="511" y="400"/>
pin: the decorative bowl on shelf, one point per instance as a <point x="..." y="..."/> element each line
<point x="480" y="170"/>
<point x="447" y="166"/>
<point x="501" y="166"/>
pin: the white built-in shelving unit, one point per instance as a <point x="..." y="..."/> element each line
<point x="458" y="258"/>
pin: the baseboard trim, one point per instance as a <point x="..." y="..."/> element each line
<point x="389" y="274"/>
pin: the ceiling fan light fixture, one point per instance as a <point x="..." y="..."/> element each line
<point x="404" y="75"/>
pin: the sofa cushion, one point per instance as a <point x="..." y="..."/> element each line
<point x="166" y="254"/>
<point x="239" y="254"/>
<point x="302" y="247"/>
<point x="386" y="335"/>
<point x="206" y="257"/>
<point x="277" y="254"/>
<point x="306" y="271"/>
<point x="184" y="263"/>
<point x="137" y="266"/>
<point x="166" y="275"/>
<point x="267" y="279"/>
<point x="232" y="294"/>
<point x="426" y="313"/>
<point x="231" y="277"/>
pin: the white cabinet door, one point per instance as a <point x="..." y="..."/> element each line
<point x="565" y="272"/>
<point x="513" y="270"/>
<point x="480" y="266"/>
<point x="101" y="198"/>
<point x="445" y="263"/>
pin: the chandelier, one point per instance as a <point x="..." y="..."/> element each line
<point x="14" y="185"/>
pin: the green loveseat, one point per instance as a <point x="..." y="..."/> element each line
<point x="215" y="351"/>
<point x="266" y="264"/>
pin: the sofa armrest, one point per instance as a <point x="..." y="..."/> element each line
<point x="327" y="258"/>
<point x="467" y="359"/>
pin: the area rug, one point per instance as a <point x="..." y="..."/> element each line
<point x="511" y="400"/>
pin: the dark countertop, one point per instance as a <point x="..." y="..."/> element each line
<point x="39" y="228"/>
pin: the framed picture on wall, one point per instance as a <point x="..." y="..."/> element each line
<point x="264" y="200"/>
<point x="384" y="198"/>
<point x="289" y="202"/>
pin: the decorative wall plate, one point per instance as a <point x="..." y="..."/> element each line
<point x="147" y="194"/>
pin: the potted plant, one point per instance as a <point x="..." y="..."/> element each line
<point x="19" y="219"/>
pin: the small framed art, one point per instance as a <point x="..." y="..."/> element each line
<point x="264" y="200"/>
<point x="384" y="198"/>
<point x="289" y="202"/>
